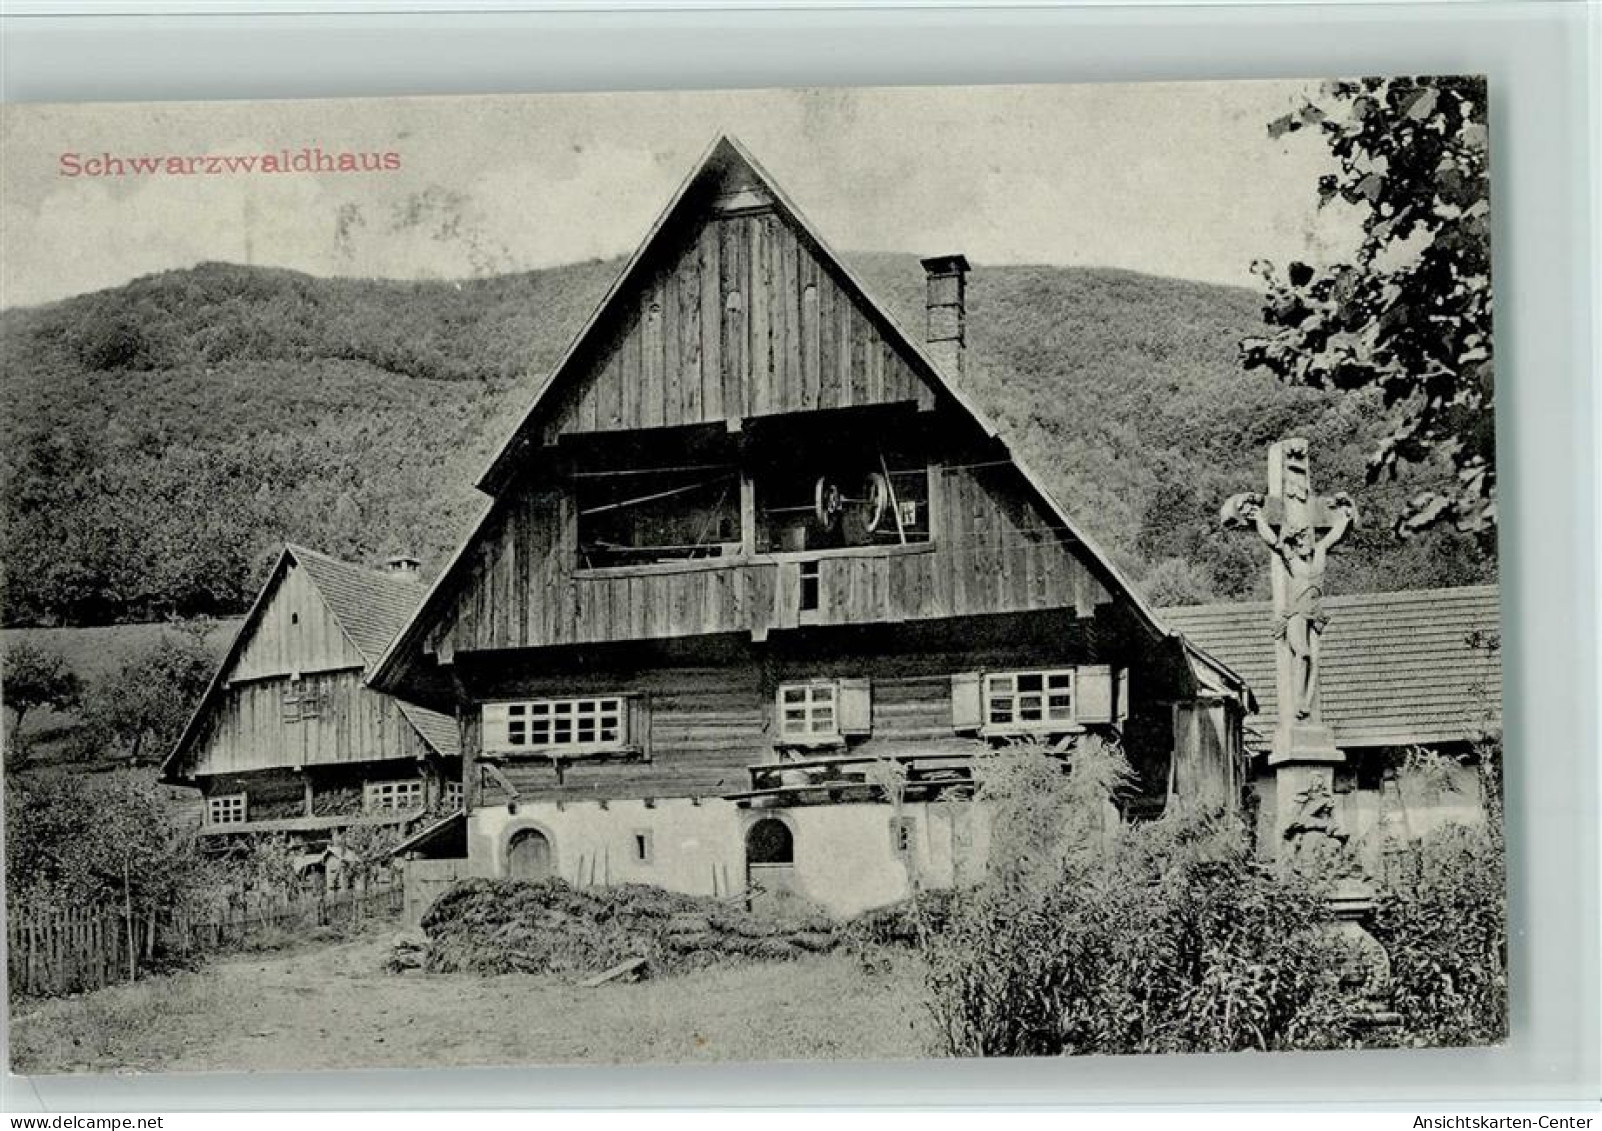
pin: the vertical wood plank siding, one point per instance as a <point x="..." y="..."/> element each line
<point x="739" y="319"/>
<point x="353" y="724"/>
<point x="996" y="553"/>
<point x="296" y="633"/>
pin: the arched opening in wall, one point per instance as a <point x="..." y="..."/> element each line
<point x="528" y="856"/>
<point x="769" y="864"/>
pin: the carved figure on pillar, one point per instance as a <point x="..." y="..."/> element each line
<point x="1300" y="529"/>
<point x="1301" y="623"/>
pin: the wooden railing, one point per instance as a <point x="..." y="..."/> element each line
<point x="827" y="780"/>
<point x="73" y="950"/>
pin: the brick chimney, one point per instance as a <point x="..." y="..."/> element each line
<point x="945" y="309"/>
<point x="402" y="565"/>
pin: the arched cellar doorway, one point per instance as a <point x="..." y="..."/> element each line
<point x="528" y="856"/>
<point x="770" y="863"/>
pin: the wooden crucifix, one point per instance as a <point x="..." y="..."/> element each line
<point x="1300" y="528"/>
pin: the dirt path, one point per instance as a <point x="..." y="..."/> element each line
<point x="334" y="1007"/>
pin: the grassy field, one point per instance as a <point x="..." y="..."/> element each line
<point x="334" y="1007"/>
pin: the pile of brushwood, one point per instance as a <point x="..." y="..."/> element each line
<point x="550" y="927"/>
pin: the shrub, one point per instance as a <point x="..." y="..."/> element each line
<point x="1445" y="926"/>
<point x="1086" y="936"/>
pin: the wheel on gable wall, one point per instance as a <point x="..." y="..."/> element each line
<point x="829" y="502"/>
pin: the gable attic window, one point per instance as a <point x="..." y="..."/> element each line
<point x="667" y="500"/>
<point x="392" y="796"/>
<point x="226" y="809"/>
<point x="596" y="725"/>
<point x="822" y="712"/>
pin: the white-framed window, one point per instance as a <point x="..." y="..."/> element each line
<point x="822" y="711"/>
<point x="389" y="796"/>
<point x="809" y="710"/>
<point x="451" y="794"/>
<point x="1028" y="701"/>
<point x="226" y="809"/>
<point x="577" y="726"/>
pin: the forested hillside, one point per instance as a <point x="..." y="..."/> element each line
<point x="163" y="438"/>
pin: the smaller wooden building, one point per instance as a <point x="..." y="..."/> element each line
<point x="288" y="739"/>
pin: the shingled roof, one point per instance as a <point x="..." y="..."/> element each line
<point x="1399" y="668"/>
<point x="370" y="606"/>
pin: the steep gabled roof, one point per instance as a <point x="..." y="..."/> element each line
<point x="369" y="607"/>
<point x="726" y="153"/>
<point x="1398" y="668"/>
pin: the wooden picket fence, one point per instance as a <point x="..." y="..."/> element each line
<point x="78" y="949"/>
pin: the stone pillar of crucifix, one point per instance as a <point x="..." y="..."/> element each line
<point x="1299" y="529"/>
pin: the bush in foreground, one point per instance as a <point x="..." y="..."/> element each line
<point x="1087" y="936"/>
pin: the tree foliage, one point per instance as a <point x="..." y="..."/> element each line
<point x="1410" y="315"/>
<point x="92" y="840"/>
<point x="137" y="713"/>
<point x="34" y="677"/>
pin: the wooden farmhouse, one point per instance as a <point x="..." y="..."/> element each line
<point x="751" y="564"/>
<point x="287" y="738"/>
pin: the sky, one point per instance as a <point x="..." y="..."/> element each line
<point x="1177" y="179"/>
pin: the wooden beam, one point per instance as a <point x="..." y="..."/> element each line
<point x="747" y="514"/>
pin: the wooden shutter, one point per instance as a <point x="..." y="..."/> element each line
<point x="1122" y="689"/>
<point x="493" y="729"/>
<point x="1094" y="695"/>
<point x="638" y="736"/>
<point x="967" y="706"/>
<point x="854" y="708"/>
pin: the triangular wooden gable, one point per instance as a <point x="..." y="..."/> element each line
<point x="731" y="248"/>
<point x="780" y="325"/>
<point x="296" y="632"/>
<point x="289" y="598"/>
